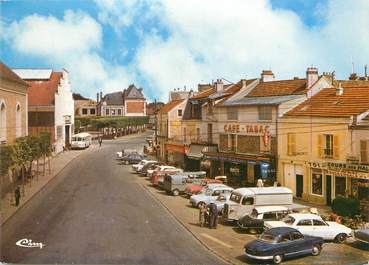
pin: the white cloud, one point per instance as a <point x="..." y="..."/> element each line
<point x="73" y="43"/>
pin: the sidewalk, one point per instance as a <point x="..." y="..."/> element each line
<point x="57" y="163"/>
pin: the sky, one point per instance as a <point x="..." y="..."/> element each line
<point x="160" y="45"/>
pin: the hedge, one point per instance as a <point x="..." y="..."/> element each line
<point x="346" y="206"/>
<point x="96" y="123"/>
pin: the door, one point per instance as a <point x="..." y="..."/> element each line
<point x="67" y="135"/>
<point x="328" y="189"/>
<point x="299" y="185"/>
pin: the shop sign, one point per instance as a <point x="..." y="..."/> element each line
<point x="67" y="119"/>
<point x="246" y="128"/>
<point x="339" y="166"/>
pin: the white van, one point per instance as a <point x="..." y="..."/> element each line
<point x="242" y="201"/>
<point x="81" y="140"/>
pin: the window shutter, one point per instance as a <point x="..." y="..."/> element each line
<point x="291" y="144"/>
<point x="364" y="151"/>
<point x="336" y="147"/>
<point x="289" y="151"/>
<point x="320" y="145"/>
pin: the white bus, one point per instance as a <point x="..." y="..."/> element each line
<point x="81" y="140"/>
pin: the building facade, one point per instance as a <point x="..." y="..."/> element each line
<point x="83" y="107"/>
<point x="13" y="106"/>
<point x="50" y="105"/>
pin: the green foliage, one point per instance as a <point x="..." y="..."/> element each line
<point x="45" y="143"/>
<point x="346" y="206"/>
<point x="6" y="160"/>
<point x="96" y="123"/>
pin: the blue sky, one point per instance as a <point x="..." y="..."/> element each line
<point x="164" y="44"/>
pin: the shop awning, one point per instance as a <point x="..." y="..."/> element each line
<point x="235" y="158"/>
<point x="196" y="150"/>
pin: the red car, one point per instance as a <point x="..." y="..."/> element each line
<point x="196" y="188"/>
<point x="159" y="175"/>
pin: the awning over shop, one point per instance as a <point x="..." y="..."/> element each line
<point x="196" y="150"/>
<point x="179" y="148"/>
<point x="235" y="158"/>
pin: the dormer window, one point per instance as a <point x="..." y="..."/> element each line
<point x="180" y="113"/>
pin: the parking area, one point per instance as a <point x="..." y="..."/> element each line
<point x="227" y="240"/>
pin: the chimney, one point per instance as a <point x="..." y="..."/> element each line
<point x="101" y="96"/>
<point x="267" y="75"/>
<point x="353" y="76"/>
<point x="219" y="85"/>
<point x="311" y="76"/>
<point x="339" y="89"/>
<point x="97" y="97"/>
<point x="366" y="72"/>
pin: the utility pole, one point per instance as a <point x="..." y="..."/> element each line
<point x="156" y="130"/>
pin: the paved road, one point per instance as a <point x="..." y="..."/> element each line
<point x="95" y="212"/>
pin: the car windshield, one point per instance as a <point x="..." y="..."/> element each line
<point x="266" y="237"/>
<point x="235" y="198"/>
<point x="288" y="220"/>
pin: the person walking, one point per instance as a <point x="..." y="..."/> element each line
<point x="100" y="140"/>
<point x="202" y="210"/>
<point x="17" y="195"/>
<point x="213" y="216"/>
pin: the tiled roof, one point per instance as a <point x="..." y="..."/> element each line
<point x="233" y="89"/>
<point x="169" y="106"/>
<point x="279" y="88"/>
<point x="353" y="101"/>
<point x="7" y="74"/>
<point x="132" y="92"/>
<point x="204" y="94"/>
<point x="42" y="92"/>
<point x="115" y="98"/>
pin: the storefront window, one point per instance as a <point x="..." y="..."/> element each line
<point x="340" y="186"/>
<point x="317" y="183"/>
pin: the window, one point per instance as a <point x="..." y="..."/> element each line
<point x="340" y="187"/>
<point x="59" y="132"/>
<point x="364" y="150"/>
<point x="291" y="143"/>
<point x="285" y="238"/>
<point x="232" y="142"/>
<point x="270" y="216"/>
<point x="296" y="235"/>
<point x="84" y="111"/>
<point x="232" y="113"/>
<point x="328" y="147"/>
<point x="317" y="183"/>
<point x="18" y="121"/>
<point x="210" y="133"/>
<point x="210" y="107"/>
<point x="265" y="113"/>
<point x="304" y="223"/>
<point x="247" y="201"/>
<point x="198" y="134"/>
<point x="92" y="111"/>
<point x="2" y="122"/>
<point x="179" y="113"/>
<point x="319" y="223"/>
<point x="107" y="112"/>
<point x="216" y="193"/>
<point x="113" y="112"/>
<point x="119" y="112"/>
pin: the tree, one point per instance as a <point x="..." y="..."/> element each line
<point x="45" y="147"/>
<point x="20" y="156"/>
<point x="34" y="152"/>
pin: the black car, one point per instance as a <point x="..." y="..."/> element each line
<point x="132" y="158"/>
<point x="281" y="242"/>
<point x="255" y="220"/>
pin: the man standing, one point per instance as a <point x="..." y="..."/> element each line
<point x="213" y="215"/>
<point x="17" y="195"/>
<point x="100" y="140"/>
<point x="202" y="210"/>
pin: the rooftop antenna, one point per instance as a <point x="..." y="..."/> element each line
<point x="366" y="71"/>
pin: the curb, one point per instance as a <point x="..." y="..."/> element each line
<point x="222" y="257"/>
<point x="3" y="221"/>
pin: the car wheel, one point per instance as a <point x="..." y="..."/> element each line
<point x="340" y="238"/>
<point x="277" y="259"/>
<point x="175" y="192"/>
<point x="201" y="204"/>
<point x="316" y="250"/>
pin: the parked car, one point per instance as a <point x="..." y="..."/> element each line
<point x="362" y="235"/>
<point x="244" y="200"/>
<point x="255" y="220"/>
<point x="277" y="243"/>
<point x="125" y="152"/>
<point x="194" y="188"/>
<point x="149" y="166"/>
<point x="132" y="158"/>
<point x="209" y="195"/>
<point x="150" y="172"/>
<point x="220" y="201"/>
<point x="139" y="166"/>
<point x="313" y="225"/>
<point x="159" y="175"/>
<point x="176" y="184"/>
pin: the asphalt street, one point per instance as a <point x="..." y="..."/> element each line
<point x="95" y="212"/>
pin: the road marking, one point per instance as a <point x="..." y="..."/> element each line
<point x="216" y="240"/>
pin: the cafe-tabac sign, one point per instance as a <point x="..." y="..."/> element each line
<point x="246" y="128"/>
<point x="340" y="166"/>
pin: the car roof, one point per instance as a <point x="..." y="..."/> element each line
<point x="275" y="208"/>
<point x="300" y="216"/>
<point x="224" y="187"/>
<point x="281" y="230"/>
<point x="263" y="190"/>
<point x="213" y="185"/>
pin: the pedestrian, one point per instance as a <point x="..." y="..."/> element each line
<point x="213" y="216"/>
<point x="260" y="183"/>
<point x="202" y="212"/>
<point x="17" y="195"/>
<point x="100" y="141"/>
